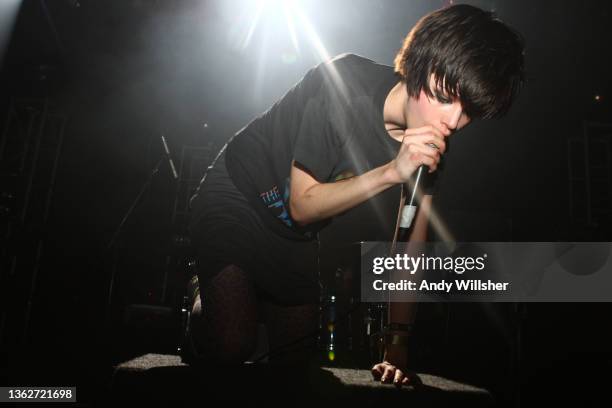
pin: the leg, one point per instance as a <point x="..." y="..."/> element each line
<point x="287" y="324"/>
<point x="225" y="317"/>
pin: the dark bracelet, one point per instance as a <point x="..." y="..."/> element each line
<point x="396" y="339"/>
<point x="399" y="327"/>
<point x="397" y="334"/>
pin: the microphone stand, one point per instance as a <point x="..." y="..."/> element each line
<point x="130" y="210"/>
<point x="111" y="247"/>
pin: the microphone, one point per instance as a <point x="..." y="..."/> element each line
<point x="167" y="152"/>
<point x="410" y="207"/>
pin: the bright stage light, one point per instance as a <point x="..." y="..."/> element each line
<point x="281" y="23"/>
<point x="277" y="29"/>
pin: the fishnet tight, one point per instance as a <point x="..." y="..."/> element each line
<point x="226" y="316"/>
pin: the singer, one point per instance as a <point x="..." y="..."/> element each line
<point x="350" y="130"/>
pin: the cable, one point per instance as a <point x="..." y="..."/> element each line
<point x="308" y="336"/>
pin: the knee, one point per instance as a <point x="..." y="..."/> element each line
<point x="225" y="317"/>
<point x="227" y="344"/>
<point x="233" y="351"/>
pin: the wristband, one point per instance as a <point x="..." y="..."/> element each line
<point x="396" y="340"/>
<point x="399" y="327"/>
<point x="397" y="334"/>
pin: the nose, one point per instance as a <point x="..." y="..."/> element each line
<point x="451" y="120"/>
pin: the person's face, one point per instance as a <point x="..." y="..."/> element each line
<point x="447" y="115"/>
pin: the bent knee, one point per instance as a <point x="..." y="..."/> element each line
<point x="229" y="350"/>
<point x="228" y="338"/>
<point x="232" y="353"/>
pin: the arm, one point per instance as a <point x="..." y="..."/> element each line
<point x="311" y="200"/>
<point x="404" y="312"/>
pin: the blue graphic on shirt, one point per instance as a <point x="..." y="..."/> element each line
<point x="273" y="199"/>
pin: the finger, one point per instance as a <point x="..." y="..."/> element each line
<point x="443" y="131"/>
<point x="423" y="130"/>
<point x="426" y="149"/>
<point x="377" y="371"/>
<point x="424" y="155"/>
<point x="434" y="140"/>
<point x="421" y="159"/>
<point x="430" y="162"/>
<point x="428" y="138"/>
<point x="399" y="377"/>
<point x="406" y="380"/>
<point x="388" y="374"/>
<point x="433" y="147"/>
<point x="438" y="144"/>
<point x="429" y="132"/>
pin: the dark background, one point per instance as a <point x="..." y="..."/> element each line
<point x="119" y="73"/>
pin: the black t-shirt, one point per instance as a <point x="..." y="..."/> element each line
<point x="331" y="123"/>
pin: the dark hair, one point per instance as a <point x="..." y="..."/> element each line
<point x="473" y="56"/>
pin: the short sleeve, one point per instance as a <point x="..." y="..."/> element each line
<point x="317" y="146"/>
